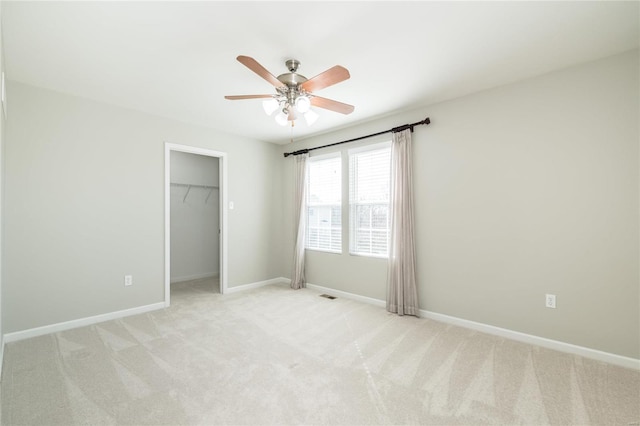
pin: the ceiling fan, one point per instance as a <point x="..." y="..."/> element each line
<point x="294" y="92"/>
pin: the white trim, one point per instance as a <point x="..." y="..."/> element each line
<point x="2" y="339"/>
<point x="339" y="293"/>
<point x="224" y="238"/>
<point x="82" y="322"/>
<point x="325" y="155"/>
<point x="608" y="357"/>
<point x="243" y="287"/>
<point x="194" y="277"/>
<point x="167" y="225"/>
<point x="619" y="360"/>
<point x="4" y="97"/>
<point x="369" y="147"/>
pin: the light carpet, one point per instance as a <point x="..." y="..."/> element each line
<point x="273" y="355"/>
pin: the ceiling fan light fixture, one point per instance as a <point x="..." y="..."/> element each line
<point x="281" y="118"/>
<point x="270" y="106"/>
<point x="310" y="117"/>
<point x="294" y="92"/>
<point x="303" y="104"/>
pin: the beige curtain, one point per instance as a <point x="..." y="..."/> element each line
<point x="402" y="294"/>
<point x="297" y="276"/>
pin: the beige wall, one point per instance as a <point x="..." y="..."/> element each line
<point x="84" y="205"/>
<point x="522" y="190"/>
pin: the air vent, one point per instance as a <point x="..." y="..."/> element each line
<point x="328" y="296"/>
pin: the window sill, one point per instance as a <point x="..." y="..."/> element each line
<point x="374" y="256"/>
<point x="322" y="251"/>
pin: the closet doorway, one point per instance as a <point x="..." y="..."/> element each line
<point x="195" y="220"/>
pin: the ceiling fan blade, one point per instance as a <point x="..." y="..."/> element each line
<point x="332" y="105"/>
<point x="254" y="66"/>
<point x="328" y="78"/>
<point x="239" y="97"/>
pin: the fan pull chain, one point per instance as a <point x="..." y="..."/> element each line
<point x="291" y="137"/>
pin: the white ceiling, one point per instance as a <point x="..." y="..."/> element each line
<point x="177" y="59"/>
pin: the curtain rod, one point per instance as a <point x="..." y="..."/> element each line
<point x="394" y="130"/>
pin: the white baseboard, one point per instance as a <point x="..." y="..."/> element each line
<point x="619" y="360"/>
<point x="68" y="325"/>
<point x="339" y="293"/>
<point x="610" y="358"/>
<point x="243" y="287"/>
<point x="194" y="277"/>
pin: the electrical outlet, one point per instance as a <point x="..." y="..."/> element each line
<point x="128" y="280"/>
<point x="550" y="301"/>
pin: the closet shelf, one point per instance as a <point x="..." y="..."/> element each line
<point x="189" y="186"/>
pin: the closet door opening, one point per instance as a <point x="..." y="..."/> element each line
<point x="195" y="223"/>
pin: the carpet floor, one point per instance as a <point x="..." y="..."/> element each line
<point x="276" y="356"/>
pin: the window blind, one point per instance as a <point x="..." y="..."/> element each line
<point x="324" y="204"/>
<point x="369" y="195"/>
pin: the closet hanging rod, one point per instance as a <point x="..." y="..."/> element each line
<point x="189" y="186"/>
<point x="195" y="186"/>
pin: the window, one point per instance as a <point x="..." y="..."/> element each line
<point x="369" y="195"/>
<point x="324" y="204"/>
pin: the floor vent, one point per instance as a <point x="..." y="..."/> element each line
<point x="328" y="296"/>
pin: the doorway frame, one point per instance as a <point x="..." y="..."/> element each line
<point x="222" y="170"/>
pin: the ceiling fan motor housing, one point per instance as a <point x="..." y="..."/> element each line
<point x="292" y="81"/>
<point x="292" y="78"/>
